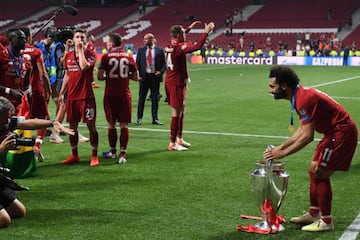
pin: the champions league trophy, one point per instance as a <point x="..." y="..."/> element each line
<point x="269" y="182"/>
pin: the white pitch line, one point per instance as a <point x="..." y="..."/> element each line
<point x="209" y="68"/>
<point x="352" y="231"/>
<point x="348" y="98"/>
<point x="208" y="133"/>
<point x="334" y="82"/>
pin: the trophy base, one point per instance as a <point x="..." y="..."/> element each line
<point x="264" y="225"/>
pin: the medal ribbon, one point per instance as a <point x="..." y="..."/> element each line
<point x="17" y="65"/>
<point x="292" y="109"/>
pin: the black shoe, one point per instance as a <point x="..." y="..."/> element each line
<point x="157" y="122"/>
<point x="139" y="121"/>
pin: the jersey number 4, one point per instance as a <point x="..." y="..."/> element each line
<point x="169" y="63"/>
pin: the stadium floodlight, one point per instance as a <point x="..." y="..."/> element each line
<point x="67" y="8"/>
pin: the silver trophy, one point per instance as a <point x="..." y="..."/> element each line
<point x="269" y="182"/>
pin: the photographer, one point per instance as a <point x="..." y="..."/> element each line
<point x="10" y="206"/>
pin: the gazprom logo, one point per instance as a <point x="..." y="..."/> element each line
<point x="327" y="61"/>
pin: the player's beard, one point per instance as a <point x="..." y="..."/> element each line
<point x="280" y="95"/>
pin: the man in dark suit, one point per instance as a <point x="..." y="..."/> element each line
<point x="150" y="61"/>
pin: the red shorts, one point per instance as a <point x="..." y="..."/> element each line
<point x="336" y="150"/>
<point x="176" y="96"/>
<point x="118" y="108"/>
<point x="38" y="106"/>
<point x="77" y="110"/>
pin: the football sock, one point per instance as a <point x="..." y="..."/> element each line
<point x="173" y="129"/>
<point x="112" y="137"/>
<point x="74" y="139"/>
<point x="74" y="151"/>
<point x="325" y="198"/>
<point x="314" y="205"/>
<point x="94" y="140"/>
<point x="124" y="138"/>
<point x="180" y="126"/>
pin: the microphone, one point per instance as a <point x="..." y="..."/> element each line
<point x="67" y="8"/>
<point x="70" y="9"/>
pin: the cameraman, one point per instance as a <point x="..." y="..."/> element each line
<point x="10" y="206"/>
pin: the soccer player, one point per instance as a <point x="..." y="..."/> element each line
<point x="80" y="102"/>
<point x="177" y="78"/>
<point x="317" y="113"/>
<point x="14" y="69"/>
<point x="40" y="88"/>
<point x="117" y="67"/>
<point x="90" y="39"/>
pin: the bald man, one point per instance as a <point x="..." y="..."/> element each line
<point x="150" y="61"/>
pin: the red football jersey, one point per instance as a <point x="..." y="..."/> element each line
<point x="315" y="106"/>
<point x="14" y="73"/>
<point x="34" y="55"/>
<point x="117" y="64"/>
<point x="79" y="82"/>
<point x="175" y="56"/>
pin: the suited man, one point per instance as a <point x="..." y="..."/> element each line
<point x="150" y="61"/>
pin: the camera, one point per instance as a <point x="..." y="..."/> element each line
<point x="65" y="33"/>
<point x="6" y="182"/>
<point x="9" y="128"/>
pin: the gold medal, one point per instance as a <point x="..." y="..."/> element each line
<point x="291" y="128"/>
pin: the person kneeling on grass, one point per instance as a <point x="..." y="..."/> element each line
<point x="10" y="206"/>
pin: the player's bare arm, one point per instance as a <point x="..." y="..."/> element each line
<point x="305" y="135"/>
<point x="101" y="75"/>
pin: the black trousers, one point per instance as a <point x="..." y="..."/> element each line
<point x="152" y="83"/>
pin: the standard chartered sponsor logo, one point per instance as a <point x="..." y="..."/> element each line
<point x="240" y="60"/>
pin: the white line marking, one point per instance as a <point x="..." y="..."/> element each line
<point x="348" y="98"/>
<point x="352" y="231"/>
<point x="208" y="133"/>
<point x="338" y="81"/>
<point x="209" y="68"/>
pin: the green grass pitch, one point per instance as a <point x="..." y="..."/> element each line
<point x="198" y="194"/>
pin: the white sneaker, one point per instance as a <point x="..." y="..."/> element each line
<point x="183" y="143"/>
<point x="83" y="139"/>
<point x="318" y="226"/>
<point x="109" y="154"/>
<point x="176" y="147"/>
<point x="55" y="138"/>
<point x="306" y="218"/>
<point x="122" y="159"/>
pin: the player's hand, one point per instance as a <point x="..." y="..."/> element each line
<point x="273" y="153"/>
<point x="79" y="45"/>
<point x="16" y="93"/>
<point x="58" y="127"/>
<point x="209" y="27"/>
<point x="8" y="143"/>
<point x="69" y="43"/>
